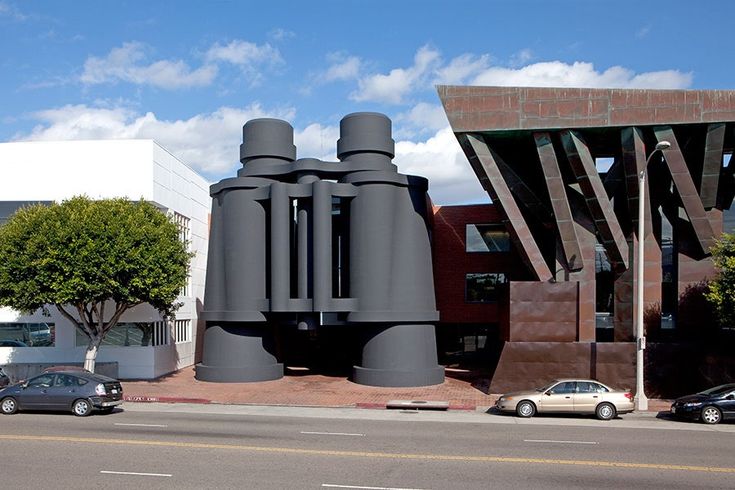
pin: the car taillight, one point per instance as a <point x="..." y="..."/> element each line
<point x="629" y="396"/>
<point x="100" y="389"/>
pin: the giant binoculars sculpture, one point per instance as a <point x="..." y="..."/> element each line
<point x="309" y="242"/>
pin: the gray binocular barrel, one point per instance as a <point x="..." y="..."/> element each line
<point x="388" y="256"/>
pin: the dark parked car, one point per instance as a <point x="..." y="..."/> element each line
<point x="12" y="343"/>
<point x="4" y="380"/>
<point x="710" y="406"/>
<point x="56" y="369"/>
<point x="77" y="391"/>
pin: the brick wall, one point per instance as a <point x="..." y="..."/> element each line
<point x="452" y="262"/>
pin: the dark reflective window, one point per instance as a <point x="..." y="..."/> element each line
<point x="21" y="334"/>
<point x="126" y="334"/>
<point x="43" y="381"/>
<point x="482" y="287"/>
<point x="563" y="388"/>
<point x="486" y="238"/>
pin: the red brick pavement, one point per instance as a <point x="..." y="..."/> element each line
<point x="462" y="392"/>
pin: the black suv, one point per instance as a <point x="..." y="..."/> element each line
<point x="78" y="391"/>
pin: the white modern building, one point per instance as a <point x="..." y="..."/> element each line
<point x="143" y="346"/>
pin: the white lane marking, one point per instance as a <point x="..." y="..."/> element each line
<point x="332" y="434"/>
<point x="142" y="425"/>
<point x="132" y="473"/>
<point x="328" y="485"/>
<point x="560" y="442"/>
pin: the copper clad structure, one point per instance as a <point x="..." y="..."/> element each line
<point x="562" y="166"/>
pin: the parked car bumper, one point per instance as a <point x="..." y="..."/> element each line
<point x="507" y="406"/>
<point x="684" y="412"/>
<point x="98" y="402"/>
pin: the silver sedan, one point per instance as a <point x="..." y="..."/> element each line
<point x="583" y="396"/>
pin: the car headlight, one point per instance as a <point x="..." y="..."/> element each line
<point x="693" y="404"/>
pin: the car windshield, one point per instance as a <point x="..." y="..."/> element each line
<point x="548" y="386"/>
<point x="718" y="390"/>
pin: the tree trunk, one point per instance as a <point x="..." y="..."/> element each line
<point x="90" y="356"/>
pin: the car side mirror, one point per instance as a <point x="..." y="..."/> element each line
<point x="24" y="385"/>
<point x="548" y="393"/>
<point x="730" y="397"/>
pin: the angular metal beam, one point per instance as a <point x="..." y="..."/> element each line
<point x="714" y="144"/>
<point x="726" y="188"/>
<point x="487" y="171"/>
<point x="525" y="195"/>
<point x="559" y="202"/>
<point x="685" y="188"/>
<point x="634" y="159"/>
<point x="595" y="197"/>
<point x="613" y="178"/>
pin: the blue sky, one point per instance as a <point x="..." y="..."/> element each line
<point x="190" y="74"/>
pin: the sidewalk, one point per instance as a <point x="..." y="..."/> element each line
<point x="297" y="388"/>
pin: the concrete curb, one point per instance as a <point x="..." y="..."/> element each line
<point x="364" y="405"/>
<point x="164" y="399"/>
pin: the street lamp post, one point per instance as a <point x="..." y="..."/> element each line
<point x="641" y="401"/>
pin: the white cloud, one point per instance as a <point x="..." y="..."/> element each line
<point x="521" y="57"/>
<point x="343" y="68"/>
<point x="643" y="31"/>
<point x="128" y="63"/>
<point x="317" y="141"/>
<point x="420" y="119"/>
<point x="208" y="142"/>
<point x="580" y="74"/>
<point x="280" y="34"/>
<point x="429" y="69"/>
<point x="244" y="54"/>
<point x="8" y="10"/>
<point x="393" y="87"/>
<point x="460" y="68"/>
<point x="441" y="160"/>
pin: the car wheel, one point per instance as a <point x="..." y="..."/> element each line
<point x="9" y="405"/>
<point x="605" y="411"/>
<point x="81" y="408"/>
<point x="711" y="415"/>
<point x="526" y="409"/>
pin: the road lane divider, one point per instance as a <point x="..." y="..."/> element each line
<point x="559" y="442"/>
<point x="332" y="433"/>
<point x="140" y="425"/>
<point x="369" y="454"/>
<point x="107" y="472"/>
<point x="332" y="485"/>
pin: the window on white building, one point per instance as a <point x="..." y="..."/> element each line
<point x="182" y="331"/>
<point x="17" y="334"/>
<point x="132" y="334"/>
<point x="184" y="225"/>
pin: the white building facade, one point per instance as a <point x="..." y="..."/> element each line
<point x="143" y="346"/>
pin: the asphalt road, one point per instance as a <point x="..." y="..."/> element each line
<point x="209" y="446"/>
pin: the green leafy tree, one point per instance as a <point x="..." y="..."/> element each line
<point x="93" y="261"/>
<point x="721" y="291"/>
